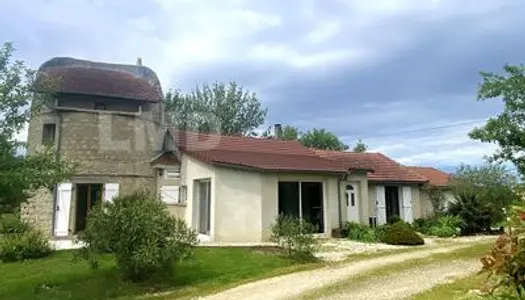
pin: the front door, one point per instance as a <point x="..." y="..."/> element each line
<point x="63" y="202"/>
<point x="392" y="202"/>
<point x="352" y="204"/>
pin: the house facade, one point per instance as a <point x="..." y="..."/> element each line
<point x="109" y="119"/>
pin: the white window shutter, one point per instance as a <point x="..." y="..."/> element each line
<point x="380" y="205"/>
<point x="110" y="191"/>
<point x="407" y="204"/>
<point x="169" y="194"/>
<point x="63" y="204"/>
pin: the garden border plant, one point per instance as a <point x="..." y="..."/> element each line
<point x="139" y="231"/>
<point x="295" y="236"/>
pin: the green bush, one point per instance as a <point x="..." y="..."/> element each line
<point x="441" y="226"/>
<point x="11" y="223"/>
<point x="361" y="233"/>
<point x="140" y="232"/>
<point x="424" y="225"/>
<point x="394" y="219"/>
<point x="295" y="236"/>
<point x="30" y="244"/>
<point x="477" y="215"/>
<point x="401" y="233"/>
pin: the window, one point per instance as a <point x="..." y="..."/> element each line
<point x="48" y="134"/>
<point x="172" y="173"/>
<point x="302" y="200"/>
<point x="183" y="194"/>
<point x="169" y="194"/>
<point x="100" y="106"/>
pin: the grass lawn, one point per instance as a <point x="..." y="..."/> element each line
<point x="59" y="277"/>
<point x="456" y="290"/>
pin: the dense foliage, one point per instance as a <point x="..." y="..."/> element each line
<point x="360" y="233"/>
<point x="506" y="129"/>
<point x="440" y="226"/>
<point x="140" y="232"/>
<point x="18" y="241"/>
<point x="19" y="175"/>
<point x="482" y="194"/>
<point x="400" y="233"/>
<point x="322" y="139"/>
<point x="219" y="108"/>
<point x="295" y="236"/>
<point x="360" y="147"/>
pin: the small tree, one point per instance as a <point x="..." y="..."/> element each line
<point x="360" y="147"/>
<point x="295" y="236"/>
<point x="140" y="232"/>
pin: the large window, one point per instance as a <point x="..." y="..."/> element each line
<point x="303" y="200"/>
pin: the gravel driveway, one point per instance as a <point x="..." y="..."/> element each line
<point x="293" y="285"/>
<point x="409" y="282"/>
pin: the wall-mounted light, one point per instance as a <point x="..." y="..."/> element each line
<point x="161" y="172"/>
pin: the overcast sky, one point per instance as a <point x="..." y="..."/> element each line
<point x="383" y="71"/>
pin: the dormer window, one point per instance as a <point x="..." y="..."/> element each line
<point x="100" y="106"/>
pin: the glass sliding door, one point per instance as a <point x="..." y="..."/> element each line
<point x="302" y="200"/>
<point x="312" y="204"/>
<point x="289" y="198"/>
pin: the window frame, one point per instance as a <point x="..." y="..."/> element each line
<point x="52" y="141"/>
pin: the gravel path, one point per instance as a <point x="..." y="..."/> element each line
<point x="409" y="282"/>
<point x="292" y="285"/>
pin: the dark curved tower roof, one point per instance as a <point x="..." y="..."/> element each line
<point x="75" y="76"/>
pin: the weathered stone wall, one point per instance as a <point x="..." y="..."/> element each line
<point x="109" y="148"/>
<point x="38" y="211"/>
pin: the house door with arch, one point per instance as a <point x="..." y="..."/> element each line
<point x="352" y="203"/>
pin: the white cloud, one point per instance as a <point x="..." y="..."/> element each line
<point x="324" y="32"/>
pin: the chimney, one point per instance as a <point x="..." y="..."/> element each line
<point x="139" y="61"/>
<point x="278" y="131"/>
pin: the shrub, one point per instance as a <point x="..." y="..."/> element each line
<point x="295" y="236"/>
<point x="30" y="244"/>
<point x="361" y="233"/>
<point x="506" y="260"/>
<point x="424" y="225"/>
<point x="441" y="226"/>
<point x="11" y="223"/>
<point x="476" y="215"/>
<point x="401" y="233"/>
<point x="394" y="219"/>
<point x="139" y="231"/>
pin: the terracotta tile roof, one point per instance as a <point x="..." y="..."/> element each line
<point x="434" y="176"/>
<point x="257" y="153"/>
<point x="385" y="168"/>
<point x="93" y="78"/>
<point x="167" y="158"/>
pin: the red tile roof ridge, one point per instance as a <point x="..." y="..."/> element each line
<point x="404" y="167"/>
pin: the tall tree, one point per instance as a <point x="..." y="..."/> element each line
<point x="360" y="147"/>
<point x="222" y="108"/>
<point x="322" y="139"/>
<point x="290" y="133"/>
<point x="506" y="129"/>
<point x="21" y="174"/>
